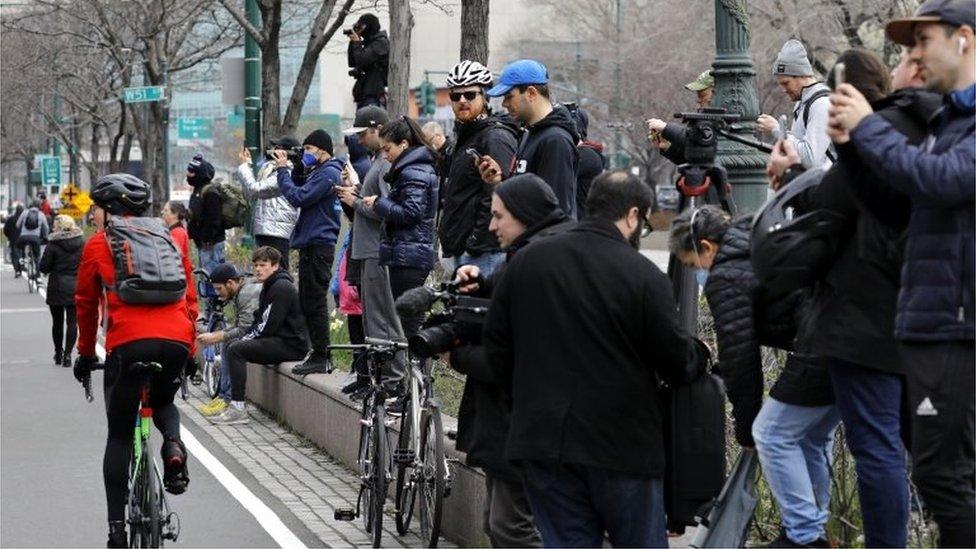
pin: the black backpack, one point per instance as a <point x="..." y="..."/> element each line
<point x="148" y="265"/>
<point x="806" y="117"/>
<point x="32" y="221"/>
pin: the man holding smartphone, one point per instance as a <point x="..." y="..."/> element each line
<point x="274" y="218"/>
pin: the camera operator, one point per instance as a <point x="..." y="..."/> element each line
<point x="274" y="217"/>
<point x="369" y="57"/>
<point x="670" y="138"/>
<point x="523" y="210"/>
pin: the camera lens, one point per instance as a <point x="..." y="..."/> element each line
<point x="432" y="341"/>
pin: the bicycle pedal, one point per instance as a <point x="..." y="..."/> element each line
<point x="172" y="530"/>
<point x="345" y="515"/>
<point x="404" y="456"/>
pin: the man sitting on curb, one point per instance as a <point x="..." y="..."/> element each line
<point x="277" y="335"/>
<point x="242" y="292"/>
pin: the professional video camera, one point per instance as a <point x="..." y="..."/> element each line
<point x="458" y="322"/>
<point x="700" y="172"/>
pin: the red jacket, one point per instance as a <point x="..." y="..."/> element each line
<point x="126" y="322"/>
<point x="182" y="240"/>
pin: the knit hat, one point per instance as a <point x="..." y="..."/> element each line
<point x="528" y="197"/>
<point x="203" y="170"/>
<point x="224" y="272"/>
<point x="792" y="60"/>
<point x="320" y="139"/>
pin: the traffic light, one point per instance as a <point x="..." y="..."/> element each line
<point x="427" y="98"/>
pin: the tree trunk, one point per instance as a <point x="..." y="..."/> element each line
<point x="474" y="30"/>
<point x="94" y="167"/>
<point x="271" y="71"/>
<point x="401" y="27"/>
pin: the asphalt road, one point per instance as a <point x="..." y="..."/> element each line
<point x="51" y="446"/>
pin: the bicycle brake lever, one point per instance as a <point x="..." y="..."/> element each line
<point x="87" y="385"/>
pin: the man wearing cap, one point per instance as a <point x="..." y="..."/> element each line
<point x="548" y="146"/>
<point x="934" y="320"/>
<point x="369" y="57"/>
<point x="669" y="138"/>
<point x="704" y="88"/>
<point x="274" y="218"/>
<point x="314" y="236"/>
<point x="242" y="293"/>
<point x="808" y="131"/>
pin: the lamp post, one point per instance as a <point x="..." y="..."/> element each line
<point x="252" y="85"/>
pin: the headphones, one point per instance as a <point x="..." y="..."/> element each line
<point x="962" y="44"/>
<point x="691" y="231"/>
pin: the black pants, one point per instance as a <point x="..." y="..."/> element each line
<point x="280" y="244"/>
<point x="122" y="388"/>
<point x="64" y="340"/>
<point x="941" y="393"/>
<point x="265" y="350"/>
<point x="508" y="519"/>
<point x="35" y="246"/>
<point x="15" y="255"/>
<point x="357" y="335"/>
<point x="314" y="274"/>
<point x="401" y="280"/>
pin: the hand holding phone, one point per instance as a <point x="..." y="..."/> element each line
<point x="840" y="74"/>
<point x="474" y="154"/>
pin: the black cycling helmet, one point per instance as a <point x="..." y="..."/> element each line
<point x="121" y="193"/>
<point x="790" y="249"/>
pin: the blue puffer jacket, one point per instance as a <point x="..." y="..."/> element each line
<point x="936" y="298"/>
<point x="318" y="217"/>
<point x="408" y="212"/>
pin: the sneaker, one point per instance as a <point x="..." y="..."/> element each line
<point x="175" y="477"/>
<point x="314" y="364"/>
<point x="231" y="416"/>
<point x="116" y="534"/>
<point x="355" y="386"/>
<point x="213" y="407"/>
<point x="66" y="359"/>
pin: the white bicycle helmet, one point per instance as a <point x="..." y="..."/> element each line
<point x="469" y="73"/>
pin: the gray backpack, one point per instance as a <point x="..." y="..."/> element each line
<point x="148" y="265"/>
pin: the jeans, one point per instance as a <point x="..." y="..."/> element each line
<point x="280" y="244"/>
<point x="223" y="390"/>
<point x="870" y="403"/>
<point x="487" y="263"/>
<point x="573" y="505"/>
<point x="265" y="350"/>
<point x="210" y="258"/>
<point x="314" y="274"/>
<point x="794" y="445"/>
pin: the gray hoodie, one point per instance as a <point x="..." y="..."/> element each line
<point x="810" y="139"/>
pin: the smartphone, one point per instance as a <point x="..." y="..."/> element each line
<point x="474" y="154"/>
<point x="840" y="74"/>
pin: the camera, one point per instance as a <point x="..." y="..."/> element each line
<point x="701" y="133"/>
<point x="457" y="322"/>
<point x="356" y="73"/>
<point x="347" y="32"/>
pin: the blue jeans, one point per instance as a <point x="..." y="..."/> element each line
<point x="212" y="257"/>
<point x="794" y="445"/>
<point x="487" y="263"/>
<point x="224" y="390"/>
<point x="573" y="505"/>
<point x="870" y="403"/>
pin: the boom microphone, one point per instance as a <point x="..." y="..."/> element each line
<point x="415" y="301"/>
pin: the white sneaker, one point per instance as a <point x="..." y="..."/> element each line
<point x="231" y="416"/>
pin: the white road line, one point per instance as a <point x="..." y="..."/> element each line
<point x="267" y="518"/>
<point x="28" y="310"/>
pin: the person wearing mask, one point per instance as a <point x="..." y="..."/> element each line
<point x="277" y="333"/>
<point x="60" y="262"/>
<point x="12" y="233"/>
<point x="590" y="158"/>
<point x="935" y="308"/>
<point x="548" y="147"/>
<point x="274" y="218"/>
<point x="808" y="131"/>
<point x="369" y="57"/>
<point x="314" y="236"/>
<point x="589" y="437"/>
<point x="206" y="227"/>
<point x="33" y="228"/>
<point x="466" y="212"/>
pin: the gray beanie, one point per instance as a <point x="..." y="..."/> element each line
<point x="792" y="60"/>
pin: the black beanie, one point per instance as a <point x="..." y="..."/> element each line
<point x="203" y="170"/>
<point x="370" y="24"/>
<point x="528" y="197"/>
<point x="320" y="139"/>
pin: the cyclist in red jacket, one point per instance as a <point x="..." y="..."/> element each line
<point x="133" y="333"/>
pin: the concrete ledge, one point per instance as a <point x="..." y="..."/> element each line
<point x="315" y="407"/>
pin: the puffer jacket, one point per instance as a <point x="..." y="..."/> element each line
<point x="60" y="262"/>
<point x="273" y="215"/>
<point x="408" y="212"/>
<point x="745" y="320"/>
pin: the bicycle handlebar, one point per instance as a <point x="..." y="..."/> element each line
<point x="372" y="344"/>
<point x="87" y="381"/>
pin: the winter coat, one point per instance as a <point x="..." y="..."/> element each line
<point x="273" y="215"/>
<point x="936" y="302"/>
<point x="40" y="232"/>
<point x="590" y="166"/>
<point x="852" y="314"/>
<point x="245" y="304"/>
<point x="585" y="389"/>
<point x="279" y="313"/>
<point x="318" y="218"/>
<point x="60" y="262"/>
<point x="548" y="149"/>
<point x="745" y="320"/>
<point x="10" y="229"/>
<point x="674" y="133"/>
<point x="205" y="224"/>
<point x="408" y="212"/>
<point x="371" y="59"/>
<point x="466" y="210"/>
<point x="367" y="226"/>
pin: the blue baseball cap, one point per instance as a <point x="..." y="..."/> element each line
<point x="524" y="72"/>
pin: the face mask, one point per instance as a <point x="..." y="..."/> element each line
<point x="634" y="239"/>
<point x="701" y="276"/>
<point x="309" y="159"/>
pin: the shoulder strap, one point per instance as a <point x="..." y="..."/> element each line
<point x="813" y="98"/>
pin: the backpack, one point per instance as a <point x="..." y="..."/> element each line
<point x="148" y="264"/>
<point x="234" y="208"/>
<point x="806" y="116"/>
<point x="32" y="221"/>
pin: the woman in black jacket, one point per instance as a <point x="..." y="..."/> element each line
<point x="793" y="430"/>
<point x="60" y="262"/>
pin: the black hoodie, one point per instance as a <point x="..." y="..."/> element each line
<point x="280" y="312"/>
<point x="466" y="209"/>
<point x="548" y="149"/>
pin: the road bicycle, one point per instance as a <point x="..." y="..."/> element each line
<point x="215" y="321"/>
<point x="148" y="516"/>
<point x="375" y="459"/>
<point x="29" y="264"/>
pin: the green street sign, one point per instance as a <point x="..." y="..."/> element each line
<point x="144" y="94"/>
<point x="193" y="129"/>
<point x="50" y="170"/>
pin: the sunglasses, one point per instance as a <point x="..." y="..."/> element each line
<point x="469" y="95"/>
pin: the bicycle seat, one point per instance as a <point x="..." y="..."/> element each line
<point x="146" y="367"/>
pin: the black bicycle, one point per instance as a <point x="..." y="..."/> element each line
<point x="375" y="459"/>
<point x="211" y="354"/>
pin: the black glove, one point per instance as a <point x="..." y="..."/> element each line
<point x="83" y="367"/>
<point x="191" y="367"/>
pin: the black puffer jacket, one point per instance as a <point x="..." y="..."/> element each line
<point x="60" y="261"/>
<point x="746" y="320"/>
<point x="548" y="149"/>
<point x="466" y="209"/>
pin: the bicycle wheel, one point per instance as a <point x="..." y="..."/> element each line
<point x="405" y="487"/>
<point x="211" y="371"/>
<point x="151" y="504"/>
<point x="432" y="481"/>
<point x="365" y="504"/>
<point x="139" y="506"/>
<point x="379" y="442"/>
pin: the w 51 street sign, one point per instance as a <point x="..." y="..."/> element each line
<point x="145" y="94"/>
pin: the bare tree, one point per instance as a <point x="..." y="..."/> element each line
<point x="401" y="28"/>
<point x="474" y="30"/>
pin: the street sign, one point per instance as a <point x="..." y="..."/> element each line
<point x="194" y="131"/>
<point x="50" y="170"/>
<point x="143" y="94"/>
<point x="76" y="201"/>
<point x="69" y="193"/>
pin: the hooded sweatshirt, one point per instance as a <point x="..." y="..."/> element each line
<point x="548" y="149"/>
<point x="369" y="60"/>
<point x="279" y="312"/>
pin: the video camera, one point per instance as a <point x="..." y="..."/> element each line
<point x="700" y="172"/>
<point x="458" y="323"/>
